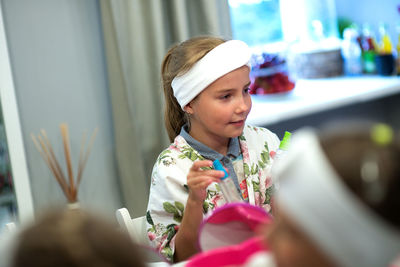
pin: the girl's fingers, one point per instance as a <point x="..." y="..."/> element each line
<point x="201" y="164"/>
<point x="206" y="173"/>
<point x="199" y="178"/>
<point x="206" y="183"/>
<point x="200" y="181"/>
<point x="213" y="173"/>
<point x="196" y="169"/>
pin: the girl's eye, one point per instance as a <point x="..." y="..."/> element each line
<point x="247" y="90"/>
<point x="225" y="96"/>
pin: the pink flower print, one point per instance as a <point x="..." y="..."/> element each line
<point x="261" y="198"/>
<point x="151" y="236"/>
<point x="173" y="148"/>
<point x="272" y="154"/>
<point x="268" y="182"/>
<point x="177" y="141"/>
<point x="160" y="244"/>
<point x="257" y="199"/>
<point x="176" y="144"/>
<point x="176" y="228"/>
<point x="245" y="151"/>
<point x="267" y="207"/>
<point x="215" y="199"/>
<point x="243" y="188"/>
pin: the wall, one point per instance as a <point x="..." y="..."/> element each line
<point x="57" y="57"/>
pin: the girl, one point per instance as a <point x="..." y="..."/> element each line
<point x="338" y="200"/>
<point x="205" y="81"/>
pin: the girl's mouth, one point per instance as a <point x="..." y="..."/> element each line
<point x="237" y="123"/>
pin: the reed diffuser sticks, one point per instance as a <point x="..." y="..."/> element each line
<point x="68" y="186"/>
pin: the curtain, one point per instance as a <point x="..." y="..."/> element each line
<point x="137" y="34"/>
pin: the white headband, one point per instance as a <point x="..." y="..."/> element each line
<point x="221" y="60"/>
<point x="314" y="196"/>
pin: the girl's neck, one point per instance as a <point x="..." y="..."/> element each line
<point x="217" y="143"/>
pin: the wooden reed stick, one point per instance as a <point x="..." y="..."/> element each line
<point x="46" y="158"/>
<point x="67" y="153"/>
<point x="52" y="164"/>
<point x="82" y="165"/>
<point x="53" y="156"/>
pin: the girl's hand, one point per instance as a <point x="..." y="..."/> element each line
<point x="198" y="180"/>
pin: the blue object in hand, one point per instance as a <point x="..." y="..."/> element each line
<point x="228" y="188"/>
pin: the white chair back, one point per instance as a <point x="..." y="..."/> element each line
<point x="10" y="227"/>
<point x="136" y="228"/>
<point x="8" y="238"/>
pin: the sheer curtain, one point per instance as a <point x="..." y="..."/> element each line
<point x="137" y="34"/>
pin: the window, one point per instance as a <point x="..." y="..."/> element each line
<point x="256" y="22"/>
<point x="261" y="23"/>
<point x="284" y="36"/>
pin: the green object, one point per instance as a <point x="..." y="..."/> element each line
<point x="344" y="23"/>
<point x="368" y="59"/>
<point x="382" y="134"/>
<point x="284" y="145"/>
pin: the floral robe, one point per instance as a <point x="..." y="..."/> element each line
<point x="169" y="192"/>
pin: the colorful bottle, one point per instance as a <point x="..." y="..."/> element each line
<point x="385" y="61"/>
<point x="385" y="46"/>
<point x="283" y="146"/>
<point x="398" y="51"/>
<point x="368" y="50"/>
<point x="280" y="154"/>
<point x="228" y="188"/>
<point x="351" y="52"/>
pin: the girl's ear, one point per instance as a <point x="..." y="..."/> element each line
<point x="188" y="108"/>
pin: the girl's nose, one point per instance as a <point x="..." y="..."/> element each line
<point x="243" y="105"/>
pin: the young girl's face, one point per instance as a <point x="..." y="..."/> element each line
<point x="291" y="247"/>
<point x="220" y="111"/>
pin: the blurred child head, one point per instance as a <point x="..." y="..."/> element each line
<point x="338" y="202"/>
<point x="74" y="238"/>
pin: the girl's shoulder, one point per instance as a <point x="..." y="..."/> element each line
<point x="178" y="151"/>
<point x="173" y="150"/>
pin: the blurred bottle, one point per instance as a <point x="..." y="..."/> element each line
<point x="283" y="146"/>
<point x="398" y="50"/>
<point x="351" y="52"/>
<point x="280" y="153"/>
<point x="384" y="60"/>
<point x="228" y="188"/>
<point x="367" y="43"/>
<point x="385" y="46"/>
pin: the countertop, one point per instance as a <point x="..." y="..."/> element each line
<point x="316" y="95"/>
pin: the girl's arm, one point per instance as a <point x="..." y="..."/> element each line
<point x="187" y="235"/>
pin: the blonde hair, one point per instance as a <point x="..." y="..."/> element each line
<point x="178" y="60"/>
